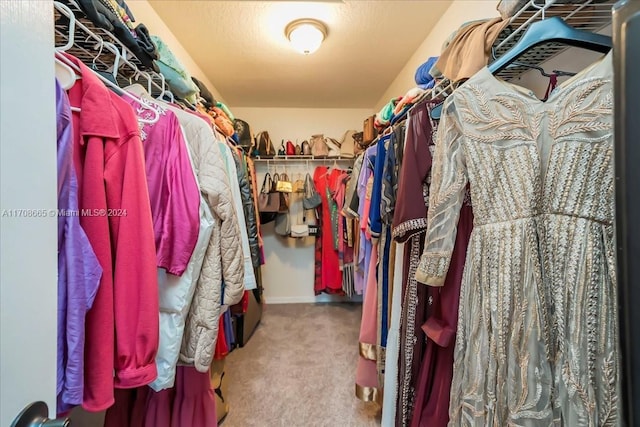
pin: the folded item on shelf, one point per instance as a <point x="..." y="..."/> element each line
<point x="384" y="116"/>
<point x="408" y="99"/>
<point x="105" y="16"/>
<point x="470" y="49"/>
<point x="226" y="110"/>
<point x="144" y="41"/>
<point x="205" y="93"/>
<point x="423" y="77"/>
<point x="175" y="74"/>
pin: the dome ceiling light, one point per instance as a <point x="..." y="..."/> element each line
<point x="306" y="35"/>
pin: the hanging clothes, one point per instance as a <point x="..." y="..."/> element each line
<point x="79" y="271"/>
<point x="538" y="290"/>
<point x="330" y="278"/>
<point x="122" y="325"/>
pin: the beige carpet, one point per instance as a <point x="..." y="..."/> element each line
<point x="298" y="370"/>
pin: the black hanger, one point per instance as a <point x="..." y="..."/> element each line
<point x="558" y="73"/>
<point x="548" y="30"/>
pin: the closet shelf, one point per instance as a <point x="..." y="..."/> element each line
<point x="100" y="49"/>
<point x="589" y="15"/>
<point x="302" y="159"/>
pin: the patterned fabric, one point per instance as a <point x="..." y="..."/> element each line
<point x="537" y="334"/>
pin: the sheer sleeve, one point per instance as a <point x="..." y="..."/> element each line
<point x="448" y="183"/>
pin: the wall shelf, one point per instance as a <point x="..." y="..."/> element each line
<point x="275" y="159"/>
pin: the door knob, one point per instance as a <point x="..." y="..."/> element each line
<point x="37" y="415"/>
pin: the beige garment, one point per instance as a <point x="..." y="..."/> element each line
<point x="470" y="49"/>
<point x="224" y="257"/>
<point x="537" y="338"/>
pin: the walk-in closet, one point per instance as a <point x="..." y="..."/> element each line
<point x="331" y="213"/>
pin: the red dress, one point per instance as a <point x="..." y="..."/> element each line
<point x="328" y="275"/>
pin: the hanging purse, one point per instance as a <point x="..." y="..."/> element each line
<point x="268" y="201"/>
<point x="283" y="198"/>
<point x="284" y="185"/>
<point x="319" y="147"/>
<point x="283" y="224"/>
<point x="298" y="185"/>
<point x="312" y="198"/>
<point x="300" y="228"/>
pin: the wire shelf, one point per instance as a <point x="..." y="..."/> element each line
<point x="100" y="50"/>
<point x="589" y="15"/>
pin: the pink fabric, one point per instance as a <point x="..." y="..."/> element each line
<point x="173" y="190"/>
<point x="122" y="325"/>
<point x="191" y="403"/>
<point x="367" y="371"/>
<point x="195" y="403"/>
<point x="159" y="407"/>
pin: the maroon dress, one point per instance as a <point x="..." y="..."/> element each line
<point x="429" y="315"/>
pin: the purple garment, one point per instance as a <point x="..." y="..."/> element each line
<point x="364" y="252"/>
<point x="173" y="189"/>
<point x="78" y="269"/>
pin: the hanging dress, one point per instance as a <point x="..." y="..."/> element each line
<point x="537" y="338"/>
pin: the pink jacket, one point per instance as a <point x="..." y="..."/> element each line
<point x="122" y="325"/>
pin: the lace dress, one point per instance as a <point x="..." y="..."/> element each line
<point x="537" y="336"/>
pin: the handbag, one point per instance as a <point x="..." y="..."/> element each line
<point x="284" y="185"/>
<point x="281" y="150"/>
<point x="358" y="143"/>
<point x="298" y="149"/>
<point x="283" y="224"/>
<point x="245" y="139"/>
<point x="312" y="198"/>
<point x="291" y="149"/>
<point x="283" y="198"/>
<point x="334" y="147"/>
<point x="347" y="148"/>
<point x="268" y="201"/>
<point x="298" y="185"/>
<point x="369" y="130"/>
<point x="305" y="148"/>
<point x="319" y="146"/>
<point x="264" y="145"/>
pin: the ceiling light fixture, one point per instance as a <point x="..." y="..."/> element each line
<point x="306" y="35"/>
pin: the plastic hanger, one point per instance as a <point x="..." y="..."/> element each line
<point x="119" y="90"/>
<point x="552" y="29"/>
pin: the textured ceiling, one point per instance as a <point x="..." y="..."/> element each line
<point x="241" y="47"/>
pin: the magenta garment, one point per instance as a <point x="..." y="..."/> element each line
<point x="173" y="189"/>
<point x="79" y="271"/>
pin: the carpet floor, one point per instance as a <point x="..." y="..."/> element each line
<point x="298" y="370"/>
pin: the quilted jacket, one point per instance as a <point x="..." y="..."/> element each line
<point x="223" y="259"/>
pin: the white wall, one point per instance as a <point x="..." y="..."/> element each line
<point x="457" y="14"/>
<point x="144" y="13"/>
<point x="289" y="269"/>
<point x="28" y="246"/>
